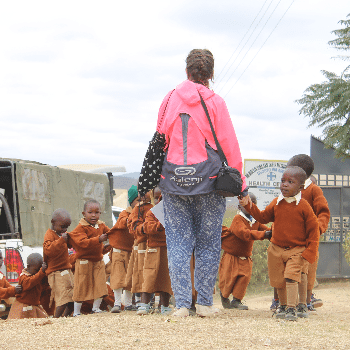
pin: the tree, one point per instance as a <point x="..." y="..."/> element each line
<point x="328" y="104"/>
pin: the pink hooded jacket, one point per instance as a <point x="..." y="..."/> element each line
<point x="185" y="99"/>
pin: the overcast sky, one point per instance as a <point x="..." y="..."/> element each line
<point x="82" y="81"/>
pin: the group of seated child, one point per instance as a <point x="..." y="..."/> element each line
<point x="138" y="255"/>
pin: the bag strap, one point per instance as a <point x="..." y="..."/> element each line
<point x="220" y="151"/>
<point x="161" y="120"/>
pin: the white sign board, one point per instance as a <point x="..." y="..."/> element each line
<point x="263" y="179"/>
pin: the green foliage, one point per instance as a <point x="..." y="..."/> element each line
<point x="260" y="272"/>
<point x="328" y="104"/>
<point x="346" y="247"/>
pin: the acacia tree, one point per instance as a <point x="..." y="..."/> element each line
<point x="328" y="104"/>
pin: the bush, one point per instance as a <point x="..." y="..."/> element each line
<point x="260" y="275"/>
<point x="346" y="248"/>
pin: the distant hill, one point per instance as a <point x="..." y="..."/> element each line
<point x="125" y="181"/>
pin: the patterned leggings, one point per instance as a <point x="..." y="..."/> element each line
<point x="193" y="223"/>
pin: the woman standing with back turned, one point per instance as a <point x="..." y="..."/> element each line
<point x="193" y="210"/>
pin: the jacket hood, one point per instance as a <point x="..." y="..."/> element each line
<point x="188" y="92"/>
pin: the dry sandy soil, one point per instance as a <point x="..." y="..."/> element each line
<point x="231" y="329"/>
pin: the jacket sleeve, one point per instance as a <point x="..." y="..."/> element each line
<point x="28" y="282"/>
<point x="321" y="209"/>
<point x="80" y="238"/>
<point x="51" y="245"/>
<point x="152" y="225"/>
<point x="263" y="216"/>
<point x="122" y="222"/>
<point x="227" y="138"/>
<point x="312" y="241"/>
<point x="244" y="233"/>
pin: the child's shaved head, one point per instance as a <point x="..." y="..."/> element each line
<point x="34" y="259"/>
<point x="60" y="214"/>
<point x="297" y="172"/>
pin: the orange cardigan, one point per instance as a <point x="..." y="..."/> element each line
<point x="314" y="195"/>
<point x="85" y="240"/>
<point x="6" y="290"/>
<point x="119" y="235"/>
<point x="136" y="220"/>
<point x="32" y="287"/>
<point x="238" y="240"/>
<point x="294" y="225"/>
<point x="55" y="252"/>
<point x="155" y="231"/>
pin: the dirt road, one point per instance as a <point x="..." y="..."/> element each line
<point x="232" y="329"/>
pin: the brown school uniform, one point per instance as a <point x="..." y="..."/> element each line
<point x="60" y="276"/>
<point x="314" y="195"/>
<point x="122" y="242"/>
<point x="155" y="270"/>
<point x="90" y="276"/>
<point x="6" y="290"/>
<point x="135" y="222"/>
<point x="46" y="297"/>
<point x="235" y="269"/>
<point x="27" y="304"/>
<point x="295" y="237"/>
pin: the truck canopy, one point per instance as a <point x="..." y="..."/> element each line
<point x="33" y="191"/>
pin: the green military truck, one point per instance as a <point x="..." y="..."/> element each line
<point x="29" y="193"/>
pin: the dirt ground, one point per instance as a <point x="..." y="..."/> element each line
<point x="231" y="329"/>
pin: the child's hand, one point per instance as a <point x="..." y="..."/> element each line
<point x="103" y="237"/>
<point x="268" y="235"/>
<point x="243" y="201"/>
<point x="106" y="248"/>
<point x="18" y="289"/>
<point x="44" y="266"/>
<point x="65" y="236"/>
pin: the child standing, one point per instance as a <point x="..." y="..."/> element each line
<point x="135" y="223"/>
<point x="156" y="277"/>
<point x="27" y="304"/>
<point x="60" y="276"/>
<point x="236" y="265"/>
<point x="294" y="241"/>
<point x="122" y="242"/>
<point x="314" y="195"/>
<point x="90" y="276"/>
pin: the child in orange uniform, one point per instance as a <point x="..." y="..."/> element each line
<point x="294" y="241"/>
<point x="27" y="304"/>
<point x="135" y="222"/>
<point x="90" y="276"/>
<point x="314" y="195"/>
<point x="122" y="242"/>
<point x="156" y="277"/>
<point x="60" y="276"/>
<point x="6" y="289"/>
<point x="236" y="265"/>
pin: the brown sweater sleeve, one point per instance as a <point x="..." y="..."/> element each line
<point x="6" y="290"/>
<point x="262" y="216"/>
<point x="28" y="282"/>
<point x="152" y="226"/>
<point x="320" y="208"/>
<point x="244" y="232"/>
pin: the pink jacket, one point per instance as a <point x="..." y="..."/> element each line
<point x="185" y="99"/>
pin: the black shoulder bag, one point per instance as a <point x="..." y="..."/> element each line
<point x="229" y="181"/>
<point x="153" y="161"/>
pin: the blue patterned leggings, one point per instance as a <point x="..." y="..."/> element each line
<point x="193" y="223"/>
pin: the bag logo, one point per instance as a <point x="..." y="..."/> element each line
<point x="185" y="171"/>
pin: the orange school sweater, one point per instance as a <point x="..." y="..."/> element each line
<point x="55" y="252"/>
<point x="314" y="195"/>
<point x="32" y="287"/>
<point x="154" y="230"/>
<point x="136" y="220"/>
<point x="85" y="240"/>
<point x="119" y="235"/>
<point x="294" y="225"/>
<point x="6" y="290"/>
<point x="238" y="240"/>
